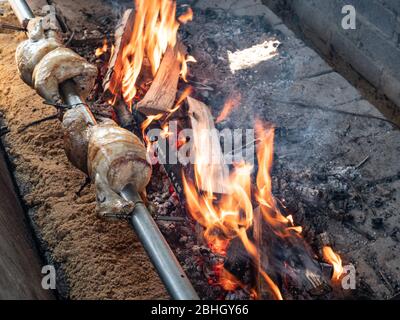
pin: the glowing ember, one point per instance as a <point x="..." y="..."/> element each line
<point x="334" y="259"/>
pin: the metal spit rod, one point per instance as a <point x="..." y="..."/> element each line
<point x="157" y="248"/>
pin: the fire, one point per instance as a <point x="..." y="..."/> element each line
<point x="231" y="103"/>
<point x="228" y="281"/>
<point x="232" y="215"/>
<point x="186" y="17"/>
<point x="181" y="99"/>
<point x="154" y="30"/>
<point x="185" y="61"/>
<point x="102" y="50"/>
<point x="334" y="259"/>
<point x="282" y="226"/>
<point x="146" y="123"/>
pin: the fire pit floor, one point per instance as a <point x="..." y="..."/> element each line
<point x="335" y="171"/>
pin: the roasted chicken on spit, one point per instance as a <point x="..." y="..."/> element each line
<point x="112" y="156"/>
<point x="44" y="63"/>
<point x="116" y="158"/>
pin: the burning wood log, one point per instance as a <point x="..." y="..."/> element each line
<point x="285" y="260"/>
<point x="122" y="37"/>
<point x="208" y="148"/>
<point x="291" y="260"/>
<point x="162" y="93"/>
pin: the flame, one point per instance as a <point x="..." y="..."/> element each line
<point x="231" y="103"/>
<point x="102" y="50"/>
<point x="184" y="68"/>
<point x="187" y="92"/>
<point x="154" y="30"/>
<point x="232" y="215"/>
<point x="229" y="215"/>
<point x="186" y="17"/>
<point x="149" y="120"/>
<point x="282" y="226"/>
<point x="334" y="259"/>
<point x="165" y="133"/>
<point x="228" y="281"/>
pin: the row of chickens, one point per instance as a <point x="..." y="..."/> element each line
<point x="112" y="156"/>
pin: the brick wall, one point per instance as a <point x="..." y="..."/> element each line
<point x="373" y="48"/>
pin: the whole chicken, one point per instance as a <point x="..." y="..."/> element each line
<point x="116" y="158"/>
<point x="44" y="63"/>
<point x="76" y="137"/>
<point x="58" y="66"/>
<point x="29" y="52"/>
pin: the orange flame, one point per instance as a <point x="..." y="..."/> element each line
<point x="184" y="68"/>
<point x="102" y="50"/>
<point x="149" y="120"/>
<point x="186" y="17"/>
<point x="188" y="91"/>
<point x="154" y="30"/>
<point x="233" y="214"/>
<point x="334" y="259"/>
<point x="231" y="103"/>
<point x="281" y="225"/>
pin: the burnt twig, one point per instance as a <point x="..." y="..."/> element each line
<point x="362" y="162"/>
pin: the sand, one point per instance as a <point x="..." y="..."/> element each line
<point x="94" y="259"/>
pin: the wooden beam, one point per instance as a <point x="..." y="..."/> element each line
<point x="210" y="147"/>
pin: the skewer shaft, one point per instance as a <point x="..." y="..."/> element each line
<point x="157" y="248"/>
